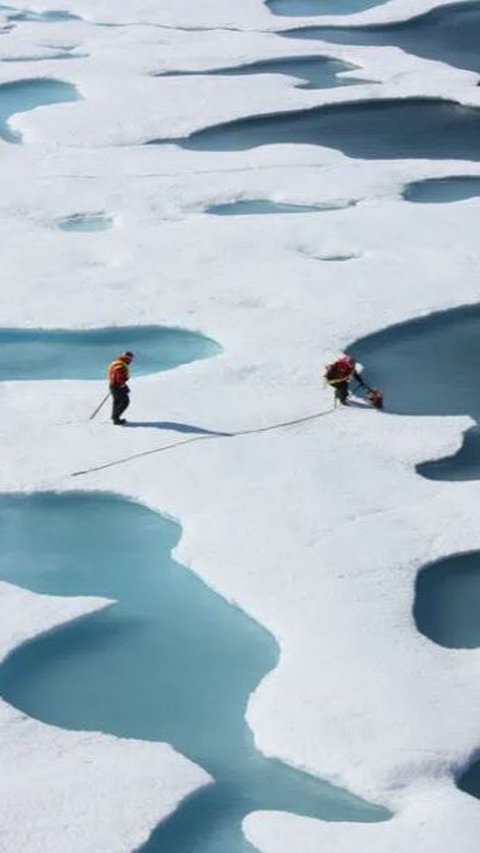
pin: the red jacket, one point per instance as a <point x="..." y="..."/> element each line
<point x="118" y="373"/>
<point x="341" y="370"/>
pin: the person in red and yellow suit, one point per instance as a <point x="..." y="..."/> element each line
<point x="338" y="375"/>
<point x="118" y="376"/>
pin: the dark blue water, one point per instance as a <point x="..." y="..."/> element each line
<point x="441" y="190"/>
<point x="59" y="354"/>
<point x="450" y="34"/>
<point x="428" y="366"/>
<point x="447" y="601"/>
<point x="411" y="128"/>
<point x="25" y="95"/>
<point x="257" y="206"/>
<point x="464" y="465"/>
<point x="470" y="780"/>
<point x="320" y="7"/>
<point x="170" y="661"/>
<point x="447" y="610"/>
<point x="313" y="72"/>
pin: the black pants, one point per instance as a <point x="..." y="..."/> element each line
<point x="341" y="391"/>
<point x="121" y="401"/>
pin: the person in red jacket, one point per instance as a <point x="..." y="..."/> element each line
<point x="118" y="376"/>
<point x="338" y="375"/>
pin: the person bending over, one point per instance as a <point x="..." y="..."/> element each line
<point x="338" y="375"/>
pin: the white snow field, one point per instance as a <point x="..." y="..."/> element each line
<point x="317" y="530"/>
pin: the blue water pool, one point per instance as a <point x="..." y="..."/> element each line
<point x="470" y="780"/>
<point x="449" y="34"/>
<point x="428" y="366"/>
<point x="447" y="610"/>
<point x="263" y="206"/>
<point x="447" y="601"/>
<point x="170" y="661"/>
<point x="441" y="190"/>
<point x="409" y="128"/>
<point x="25" y="95"/>
<point x="313" y="72"/>
<point x="14" y="14"/>
<point x="464" y="465"/>
<point x="85" y="222"/>
<point x="59" y="354"/>
<point x="320" y="7"/>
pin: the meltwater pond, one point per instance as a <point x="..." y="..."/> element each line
<point x="320" y="7"/>
<point x="447" y="610"/>
<point x="464" y="465"/>
<point x="84" y="354"/>
<point x="85" y="222"/>
<point x="428" y="366"/>
<point x="170" y="661"/>
<point x="24" y="95"/>
<point x="52" y="16"/>
<point x="470" y="780"/>
<point x="313" y="72"/>
<point x="246" y="207"/>
<point x="441" y="190"/>
<point x="447" y="601"/>
<point x="382" y="129"/>
<point x="449" y="34"/>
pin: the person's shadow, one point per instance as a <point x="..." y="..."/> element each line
<point x="175" y="426"/>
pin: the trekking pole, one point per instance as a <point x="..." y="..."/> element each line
<point x="99" y="406"/>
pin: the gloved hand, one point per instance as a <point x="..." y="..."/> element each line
<point x="126" y="388"/>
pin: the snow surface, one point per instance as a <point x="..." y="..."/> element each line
<point x="317" y="530"/>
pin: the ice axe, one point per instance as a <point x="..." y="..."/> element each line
<point x="99" y="407"/>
